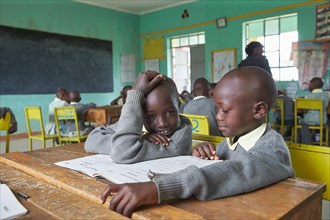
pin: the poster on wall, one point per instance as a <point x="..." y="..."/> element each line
<point x="322" y="22"/>
<point x="311" y="59"/>
<point x="222" y="62"/>
<point x="151" y="64"/>
<point x="127" y="67"/>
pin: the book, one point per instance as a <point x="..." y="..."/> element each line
<point x="99" y="165"/>
<point x="10" y="207"/>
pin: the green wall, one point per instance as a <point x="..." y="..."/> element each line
<point x="127" y="32"/>
<point x="71" y="18"/>
<point x="202" y="15"/>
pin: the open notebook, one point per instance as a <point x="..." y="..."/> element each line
<point x="10" y="207"/>
<point x="103" y="166"/>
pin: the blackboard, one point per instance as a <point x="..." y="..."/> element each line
<point x="35" y="62"/>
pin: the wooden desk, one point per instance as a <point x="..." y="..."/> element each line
<point x="104" y="114"/>
<point x="57" y="192"/>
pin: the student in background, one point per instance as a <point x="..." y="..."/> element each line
<point x="211" y="91"/>
<point x="254" y="155"/>
<point x="153" y="103"/>
<point x="254" y="50"/>
<point x="288" y="112"/>
<point x="81" y="110"/>
<point x="202" y="105"/>
<point x="62" y="99"/>
<point x="121" y="99"/>
<point x="13" y="122"/>
<point x="185" y="97"/>
<point x="312" y="117"/>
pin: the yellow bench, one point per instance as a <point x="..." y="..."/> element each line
<point x="200" y="123"/>
<point x="312" y="163"/>
<point x="198" y="138"/>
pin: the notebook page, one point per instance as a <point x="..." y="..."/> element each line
<point x="10" y="207"/>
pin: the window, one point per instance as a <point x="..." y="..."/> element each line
<point x="181" y="47"/>
<point x="277" y="35"/>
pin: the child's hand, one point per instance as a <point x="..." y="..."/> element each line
<point x="158" y="139"/>
<point x="128" y="197"/>
<point x="146" y="81"/>
<point x="205" y="150"/>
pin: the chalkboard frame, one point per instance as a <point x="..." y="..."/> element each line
<point x="36" y="62"/>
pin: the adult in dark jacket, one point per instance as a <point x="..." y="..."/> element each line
<point x="254" y="50"/>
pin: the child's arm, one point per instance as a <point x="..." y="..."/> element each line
<point x="205" y="150"/>
<point x="146" y="81"/>
<point x="128" y="197"/>
<point x="157" y="139"/>
<point x="115" y="101"/>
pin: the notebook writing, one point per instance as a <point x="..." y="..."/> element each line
<point x="102" y="166"/>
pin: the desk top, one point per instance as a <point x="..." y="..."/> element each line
<point x="57" y="192"/>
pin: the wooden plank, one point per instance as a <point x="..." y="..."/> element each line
<point x="76" y="183"/>
<point x="283" y="200"/>
<point x="49" y="202"/>
<point x="286" y="199"/>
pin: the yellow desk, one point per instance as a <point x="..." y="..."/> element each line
<point x="311" y="162"/>
<point x="57" y="192"/>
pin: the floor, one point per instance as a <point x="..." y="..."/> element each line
<point x="23" y="145"/>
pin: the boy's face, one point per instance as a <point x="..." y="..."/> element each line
<point x="235" y="109"/>
<point x="161" y="114"/>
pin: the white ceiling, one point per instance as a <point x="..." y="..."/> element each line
<point x="138" y="7"/>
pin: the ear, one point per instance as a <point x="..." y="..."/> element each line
<point x="261" y="110"/>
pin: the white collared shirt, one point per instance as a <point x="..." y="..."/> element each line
<point x="199" y="97"/>
<point x="248" y="141"/>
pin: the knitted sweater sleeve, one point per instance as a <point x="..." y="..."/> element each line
<point x="240" y="171"/>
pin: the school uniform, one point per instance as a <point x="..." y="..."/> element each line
<point x="256" y="160"/>
<point x="81" y="110"/>
<point x="202" y="105"/>
<point x="256" y="60"/>
<point x="51" y="125"/>
<point x="312" y="117"/>
<point x="124" y="140"/>
<point x="4" y="110"/>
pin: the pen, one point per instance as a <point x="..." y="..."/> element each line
<point x="23" y="195"/>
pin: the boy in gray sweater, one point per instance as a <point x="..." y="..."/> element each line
<point x="202" y="105"/>
<point x="153" y="102"/>
<point x="254" y="155"/>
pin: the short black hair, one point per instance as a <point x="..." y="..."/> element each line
<point x="172" y="89"/>
<point x="251" y="46"/>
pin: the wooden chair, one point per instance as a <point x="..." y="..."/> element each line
<point x="311" y="104"/>
<point x="4" y="126"/>
<point x="34" y="119"/>
<point x="279" y="107"/>
<point x="63" y="114"/>
<point x="200" y="124"/>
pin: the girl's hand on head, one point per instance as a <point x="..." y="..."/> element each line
<point x="158" y="139"/>
<point x="205" y="150"/>
<point x="126" y="198"/>
<point x="146" y="81"/>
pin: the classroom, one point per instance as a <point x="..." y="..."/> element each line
<point x="196" y="38"/>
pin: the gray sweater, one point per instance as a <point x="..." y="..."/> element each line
<point x="124" y="140"/>
<point x="240" y="171"/>
<point x="204" y="106"/>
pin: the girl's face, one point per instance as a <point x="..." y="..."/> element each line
<point x="161" y="113"/>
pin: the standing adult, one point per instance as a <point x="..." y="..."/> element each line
<point x="254" y="50"/>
